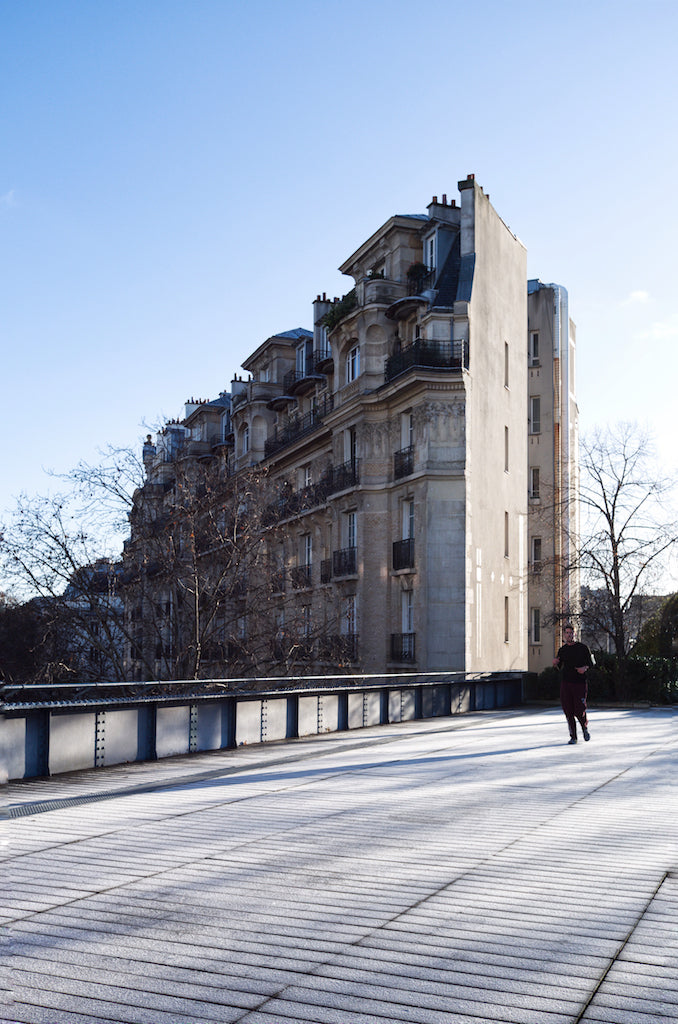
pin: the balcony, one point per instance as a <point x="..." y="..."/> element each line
<point x="403" y="554"/>
<point x="298" y="426"/>
<point x="278" y="581"/>
<point x="340" y="649"/>
<point x="403" y="647"/>
<point x="382" y="291"/>
<point x="323" y="360"/>
<point x="301" y="576"/>
<point x="279" y="402"/>
<point x="292" y="503"/>
<point x="403" y="462"/>
<point x="340" y="478"/>
<point x="298" y="382"/>
<point x="428" y="355"/>
<point x="256" y="391"/>
<point x="345" y="562"/>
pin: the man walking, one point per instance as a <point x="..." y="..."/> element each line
<point x="574" y="659"/>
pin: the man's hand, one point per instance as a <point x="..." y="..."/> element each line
<point x="583" y="669"/>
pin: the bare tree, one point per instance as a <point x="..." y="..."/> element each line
<point x="628" y="531"/>
<point x="208" y="589"/>
<point x="169" y="567"/>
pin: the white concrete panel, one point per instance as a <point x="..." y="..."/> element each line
<point x="12" y="748"/>
<point x="248" y="722"/>
<point x="328" y="712"/>
<point x="172" y="730"/>
<point x="120" y="738"/>
<point x="407" y="705"/>
<point x="372" y="708"/>
<point x="355" y="710"/>
<point x="274" y="719"/>
<point x="71" y="742"/>
<point x="308" y="716"/>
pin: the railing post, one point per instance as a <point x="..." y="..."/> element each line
<point x="228" y="721"/>
<point x="292" y="730"/>
<point x="37" y="744"/>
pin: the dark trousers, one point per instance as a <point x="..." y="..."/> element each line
<point x="573" y="701"/>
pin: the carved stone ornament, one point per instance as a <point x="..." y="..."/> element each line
<point x="445" y="420"/>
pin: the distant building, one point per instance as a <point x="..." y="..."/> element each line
<point x="553" y="475"/>
<point x="399" y="439"/>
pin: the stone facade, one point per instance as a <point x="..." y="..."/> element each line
<point x="394" y="435"/>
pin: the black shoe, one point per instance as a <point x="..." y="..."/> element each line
<point x="573" y="739"/>
<point x="587" y="734"/>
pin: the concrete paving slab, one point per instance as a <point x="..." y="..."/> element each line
<point x="472" y="870"/>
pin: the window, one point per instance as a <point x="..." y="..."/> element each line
<point x="535" y="554"/>
<point x="407" y="611"/>
<point x="535" y="626"/>
<point x="351" y="530"/>
<point x="349" y="615"/>
<point x="351" y="445"/>
<point x="353" y="364"/>
<point x="506" y="364"/>
<point x="245" y="439"/>
<point x="305" y="476"/>
<point x="506" y="620"/>
<point x="301" y="358"/>
<point x="406" y="429"/>
<point x="533" y="348"/>
<point x="430" y="252"/>
<point x="535" y="415"/>
<point x="506" y="534"/>
<point x="534" y="481"/>
<point x="408" y="519"/>
<point x="307" y="549"/>
<point x="506" y="449"/>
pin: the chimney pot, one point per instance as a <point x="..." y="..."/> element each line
<point x="470" y="177"/>
<point x="444" y="199"/>
<point x="435" y="199"/>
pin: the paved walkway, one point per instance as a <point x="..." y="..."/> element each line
<point x="451" y="871"/>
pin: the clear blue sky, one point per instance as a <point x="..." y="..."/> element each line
<point x="180" y="179"/>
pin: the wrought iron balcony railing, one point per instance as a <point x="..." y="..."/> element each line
<point x="345" y="562"/>
<point x="339" y="649"/>
<point x="403" y="553"/>
<point x="429" y="355"/>
<point x="403" y="647"/>
<point x="403" y="462"/>
<point x="298" y="426"/>
<point x="301" y="576"/>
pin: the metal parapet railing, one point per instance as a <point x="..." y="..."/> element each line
<point x="46" y="730"/>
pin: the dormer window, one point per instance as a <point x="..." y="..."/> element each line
<point x="430" y="252"/>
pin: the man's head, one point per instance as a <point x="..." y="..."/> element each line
<point x="568" y="633"/>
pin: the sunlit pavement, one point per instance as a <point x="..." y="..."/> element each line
<point x="447" y="871"/>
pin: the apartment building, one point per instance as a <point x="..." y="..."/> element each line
<point x="390" y="443"/>
<point x="553" y="443"/>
